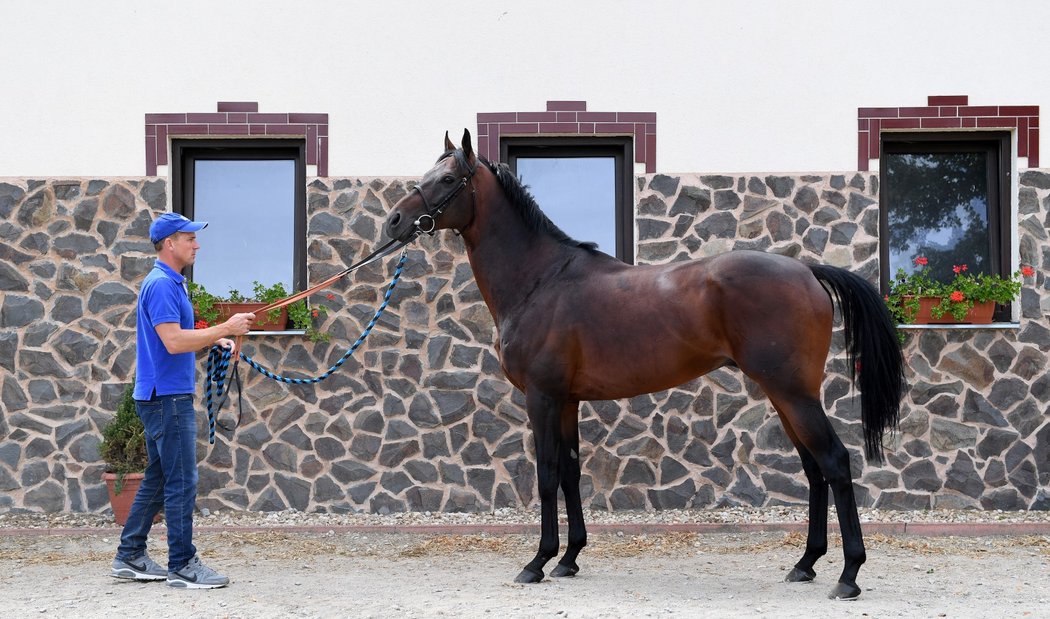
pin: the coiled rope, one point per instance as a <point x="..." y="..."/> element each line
<point x="217" y="391"/>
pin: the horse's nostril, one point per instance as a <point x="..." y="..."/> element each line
<point x="394" y="219"/>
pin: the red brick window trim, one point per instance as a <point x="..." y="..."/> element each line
<point x="570" y="118"/>
<point x="241" y="119"/>
<point x="945" y="113"/>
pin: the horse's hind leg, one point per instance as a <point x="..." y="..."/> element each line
<point x="543" y="414"/>
<point x="569" y="467"/>
<point x="817" y="536"/>
<point x="827" y="458"/>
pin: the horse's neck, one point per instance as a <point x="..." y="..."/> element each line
<point x="509" y="260"/>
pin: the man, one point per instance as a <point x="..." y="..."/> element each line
<point x="164" y="388"/>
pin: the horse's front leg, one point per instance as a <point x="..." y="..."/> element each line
<point x="569" y="466"/>
<point x="543" y="414"/>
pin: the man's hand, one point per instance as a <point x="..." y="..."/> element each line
<point x="225" y="343"/>
<point x="178" y="340"/>
<point x="238" y="324"/>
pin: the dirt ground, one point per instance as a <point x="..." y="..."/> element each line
<point x="348" y="574"/>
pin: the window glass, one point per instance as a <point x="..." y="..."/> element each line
<point x="250" y="209"/>
<point x="583" y="183"/>
<point x="577" y="193"/>
<point x="938" y="207"/>
<point x="946" y="197"/>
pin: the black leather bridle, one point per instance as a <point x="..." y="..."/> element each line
<point x="433" y="212"/>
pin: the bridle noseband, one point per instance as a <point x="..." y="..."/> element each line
<point x="427" y="222"/>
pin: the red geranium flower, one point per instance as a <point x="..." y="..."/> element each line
<point x="1027" y="271"/>
<point x="330" y="296"/>
<point x="201" y="324"/>
<point x="921" y="261"/>
<point x="957" y="296"/>
<point x="959" y="268"/>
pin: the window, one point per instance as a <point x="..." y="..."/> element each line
<point x="582" y="183"/>
<point x="945" y="196"/>
<point x="252" y="193"/>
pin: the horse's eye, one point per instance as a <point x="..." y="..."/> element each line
<point x="448" y="179"/>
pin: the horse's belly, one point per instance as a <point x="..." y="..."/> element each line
<point x="630" y="375"/>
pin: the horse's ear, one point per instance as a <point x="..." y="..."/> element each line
<point x="448" y="143"/>
<point x="468" y="150"/>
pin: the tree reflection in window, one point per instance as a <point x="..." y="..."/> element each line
<point x="937" y="207"/>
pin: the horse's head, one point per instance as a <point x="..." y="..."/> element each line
<point x="439" y="200"/>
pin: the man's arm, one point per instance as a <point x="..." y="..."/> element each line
<point x="178" y="340"/>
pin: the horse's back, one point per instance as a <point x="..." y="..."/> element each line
<point x="632" y="329"/>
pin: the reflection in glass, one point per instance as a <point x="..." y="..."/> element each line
<point x="250" y="209"/>
<point x="937" y="207"/>
<point x="577" y="193"/>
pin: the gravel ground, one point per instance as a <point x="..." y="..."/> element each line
<point x="287" y="564"/>
<point x="735" y="515"/>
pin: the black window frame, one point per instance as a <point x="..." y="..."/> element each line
<point x="997" y="146"/>
<point x="620" y="148"/>
<point x="184" y="152"/>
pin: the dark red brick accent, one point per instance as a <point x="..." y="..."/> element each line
<point x="948" y="112"/>
<point x="238" y="106"/>
<point x="237" y="118"/>
<point x="948" y="100"/>
<point x="570" y="118"/>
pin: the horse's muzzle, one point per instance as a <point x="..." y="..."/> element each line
<point x="399" y="227"/>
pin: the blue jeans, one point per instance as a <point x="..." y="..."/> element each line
<point x="170" y="481"/>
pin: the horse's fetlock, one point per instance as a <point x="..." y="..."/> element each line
<point x="547" y="552"/>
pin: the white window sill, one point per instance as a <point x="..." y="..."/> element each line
<point x="994" y="325"/>
<point x="285" y="332"/>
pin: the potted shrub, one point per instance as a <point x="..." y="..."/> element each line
<point x="966" y="298"/>
<point x="123" y="448"/>
<point x="211" y="310"/>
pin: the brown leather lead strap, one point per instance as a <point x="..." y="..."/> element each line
<point x="390" y="247"/>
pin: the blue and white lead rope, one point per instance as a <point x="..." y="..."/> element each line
<point x="219" y="361"/>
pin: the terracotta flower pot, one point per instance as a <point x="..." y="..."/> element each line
<point x="263" y="323"/>
<point x="979" y="314"/>
<point x="121" y="503"/>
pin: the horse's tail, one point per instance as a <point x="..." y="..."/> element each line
<point x="872" y="351"/>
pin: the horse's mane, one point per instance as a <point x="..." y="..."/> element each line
<point x="531" y="214"/>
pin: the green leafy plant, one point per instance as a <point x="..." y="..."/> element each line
<point x="123" y="444"/>
<point x="956" y="296"/>
<point x="301" y="315"/>
<point x="204" y="305"/>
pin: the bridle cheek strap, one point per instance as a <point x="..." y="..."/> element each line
<point x="434" y="211"/>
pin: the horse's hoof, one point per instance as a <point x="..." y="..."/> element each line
<point x="529" y="577"/>
<point x="844" y="591"/>
<point x="564" y="571"/>
<point x="799" y="575"/>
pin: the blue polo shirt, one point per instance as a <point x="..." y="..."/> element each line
<point x="163" y="298"/>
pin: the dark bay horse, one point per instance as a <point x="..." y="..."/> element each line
<point x="575" y="324"/>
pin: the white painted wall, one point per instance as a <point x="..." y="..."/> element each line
<point x="757" y="86"/>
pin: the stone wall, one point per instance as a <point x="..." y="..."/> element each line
<point x="421" y="417"/>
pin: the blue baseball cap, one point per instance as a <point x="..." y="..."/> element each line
<point x="170" y="223"/>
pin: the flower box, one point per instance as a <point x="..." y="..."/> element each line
<point x="263" y="322"/>
<point x="980" y="314"/>
<point x="210" y="310"/>
<point x="967" y="298"/>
